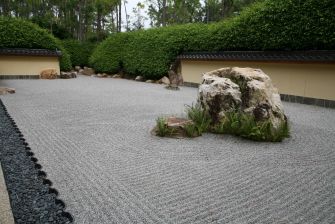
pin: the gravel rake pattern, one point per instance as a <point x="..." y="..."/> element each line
<point x="114" y="171"/>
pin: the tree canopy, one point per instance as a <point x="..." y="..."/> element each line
<point x="267" y="25"/>
<point x="96" y="19"/>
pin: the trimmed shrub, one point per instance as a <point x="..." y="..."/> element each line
<point x="266" y="25"/>
<point x="79" y="52"/>
<point x="279" y="25"/>
<point x="108" y="56"/>
<point x="17" y="33"/>
<point x="148" y="53"/>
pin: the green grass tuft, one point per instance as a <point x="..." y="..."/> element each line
<point x="245" y="126"/>
<point x="199" y="116"/>
<point x="162" y="129"/>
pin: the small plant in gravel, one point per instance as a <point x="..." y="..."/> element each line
<point x="191" y="130"/>
<point x="234" y="122"/>
<point x="199" y="116"/>
<point x="247" y="127"/>
<point x="162" y="129"/>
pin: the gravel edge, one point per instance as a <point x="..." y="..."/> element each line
<point x="32" y="198"/>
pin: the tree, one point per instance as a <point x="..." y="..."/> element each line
<point x="139" y="18"/>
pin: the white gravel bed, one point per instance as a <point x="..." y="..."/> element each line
<point x="92" y="137"/>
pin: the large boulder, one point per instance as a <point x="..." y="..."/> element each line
<point x="244" y="90"/>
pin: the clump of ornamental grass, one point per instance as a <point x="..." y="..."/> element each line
<point x="162" y="129"/>
<point x="246" y="126"/>
<point x="200" y="118"/>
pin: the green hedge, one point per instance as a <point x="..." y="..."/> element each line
<point x="79" y="51"/>
<point x="267" y="25"/>
<point x="17" y="33"/>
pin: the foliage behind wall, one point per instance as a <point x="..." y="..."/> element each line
<point x="266" y="25"/>
<point x="17" y="33"/>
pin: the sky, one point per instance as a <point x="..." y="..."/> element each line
<point x="132" y="4"/>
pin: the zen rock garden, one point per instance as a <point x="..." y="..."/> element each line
<point x="238" y="101"/>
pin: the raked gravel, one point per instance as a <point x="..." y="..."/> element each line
<point x="92" y="137"/>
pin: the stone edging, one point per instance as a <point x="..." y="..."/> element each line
<point x="38" y="167"/>
<point x="291" y="98"/>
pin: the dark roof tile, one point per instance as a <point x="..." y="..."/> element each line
<point x="294" y="56"/>
<point x="30" y="52"/>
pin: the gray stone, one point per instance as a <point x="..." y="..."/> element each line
<point x="81" y="71"/>
<point x="165" y="80"/>
<point x="68" y="75"/>
<point x="74" y="74"/>
<point x="139" y="78"/>
<point x="5" y="90"/>
<point x="87" y="71"/>
<point x="150" y="81"/>
<point x="116" y="76"/>
<point x="77" y="68"/>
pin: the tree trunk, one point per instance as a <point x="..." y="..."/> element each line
<point x="125" y="10"/>
<point x="120" y="15"/>
<point x="164" y="13"/>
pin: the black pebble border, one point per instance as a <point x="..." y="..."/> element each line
<point x="32" y="198"/>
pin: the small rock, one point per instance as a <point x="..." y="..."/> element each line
<point x="64" y="75"/>
<point x="87" y="71"/>
<point x="49" y="74"/>
<point x="5" y="90"/>
<point x="165" y="80"/>
<point x="81" y="71"/>
<point x="177" y="127"/>
<point x="174" y="122"/>
<point x="150" y="81"/>
<point x="116" y="76"/>
<point x="11" y="90"/>
<point x="73" y="74"/>
<point x="77" y="68"/>
<point x="139" y="78"/>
